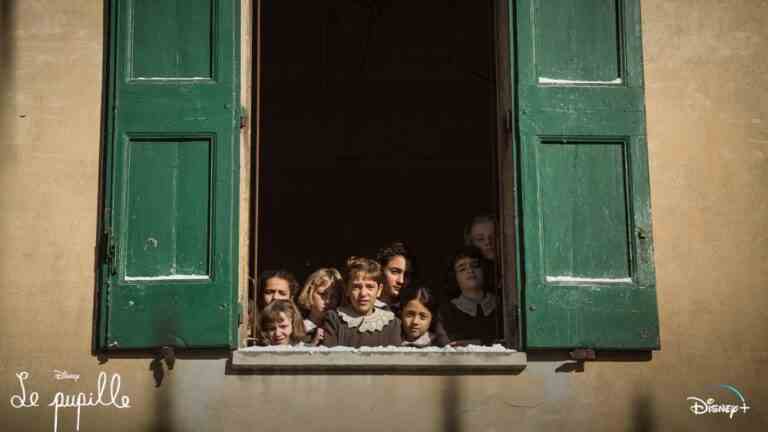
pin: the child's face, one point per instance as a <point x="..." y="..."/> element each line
<point x="416" y="319"/>
<point x="394" y="272"/>
<point x="483" y="236"/>
<point x="280" y="331"/>
<point x="323" y="299"/>
<point x="276" y="289"/>
<point x="469" y="274"/>
<point x="362" y="293"/>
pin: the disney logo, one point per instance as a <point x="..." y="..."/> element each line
<point x="701" y="406"/>
<point x="64" y="375"/>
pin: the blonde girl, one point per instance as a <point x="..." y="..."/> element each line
<point x="280" y="323"/>
<point x="321" y="293"/>
<point x="359" y="322"/>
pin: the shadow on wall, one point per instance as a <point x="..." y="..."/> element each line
<point x="163" y="421"/>
<point x="7" y="63"/>
<point x="643" y="415"/>
<point x="7" y="96"/>
<point x="451" y="406"/>
<point x="100" y="247"/>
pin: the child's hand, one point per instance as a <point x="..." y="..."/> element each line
<point x="319" y="336"/>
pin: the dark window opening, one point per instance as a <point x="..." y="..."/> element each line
<point x="377" y="124"/>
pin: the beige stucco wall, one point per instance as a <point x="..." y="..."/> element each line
<point x="707" y="87"/>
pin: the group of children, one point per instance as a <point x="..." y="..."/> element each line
<point x="373" y="304"/>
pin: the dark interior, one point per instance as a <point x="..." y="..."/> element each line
<point x="377" y="124"/>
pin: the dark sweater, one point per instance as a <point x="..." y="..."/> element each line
<point x="462" y="326"/>
<point x="338" y="333"/>
<point x="393" y="307"/>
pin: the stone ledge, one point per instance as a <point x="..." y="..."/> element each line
<point x="310" y="360"/>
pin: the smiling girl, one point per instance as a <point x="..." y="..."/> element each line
<point x="359" y="322"/>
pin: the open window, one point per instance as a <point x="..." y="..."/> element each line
<point x="377" y="121"/>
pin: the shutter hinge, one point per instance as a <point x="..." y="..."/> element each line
<point x="110" y="252"/>
<point x="243" y="118"/>
<point x="583" y="354"/>
<point x="508" y="121"/>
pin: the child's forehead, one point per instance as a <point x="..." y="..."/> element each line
<point x="363" y="276"/>
<point x="482" y="225"/>
<point x="416" y="305"/>
<point x="464" y="260"/>
<point x="277" y="280"/>
<point x="280" y="317"/>
<point x="326" y="286"/>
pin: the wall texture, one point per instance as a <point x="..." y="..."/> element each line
<point x="707" y="83"/>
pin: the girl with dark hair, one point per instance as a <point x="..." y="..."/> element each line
<point x="397" y="266"/>
<point x="275" y="285"/>
<point x="470" y="317"/>
<point x="421" y="322"/>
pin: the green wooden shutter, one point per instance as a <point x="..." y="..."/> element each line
<point x="169" y="276"/>
<point x="588" y="261"/>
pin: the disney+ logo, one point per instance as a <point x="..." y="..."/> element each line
<point x="701" y="406"/>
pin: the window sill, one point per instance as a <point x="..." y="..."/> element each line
<point x="467" y="360"/>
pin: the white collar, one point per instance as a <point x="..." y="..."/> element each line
<point x="469" y="305"/>
<point x="366" y="323"/>
<point x="387" y="306"/>
<point x="420" y="342"/>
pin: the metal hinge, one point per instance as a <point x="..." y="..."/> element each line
<point x="583" y="354"/>
<point x="110" y="251"/>
<point x="243" y="118"/>
<point x="508" y="121"/>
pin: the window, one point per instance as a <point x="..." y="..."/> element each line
<point x="376" y="127"/>
<point x="571" y="176"/>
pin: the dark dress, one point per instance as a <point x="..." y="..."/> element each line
<point x="394" y="307"/>
<point x="339" y="332"/>
<point x="461" y="325"/>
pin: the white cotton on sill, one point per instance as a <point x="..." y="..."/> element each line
<point x="379" y="349"/>
<point x="167" y="277"/>
<point x="544" y="80"/>
<point x="576" y="279"/>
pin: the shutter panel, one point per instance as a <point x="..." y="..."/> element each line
<point x="170" y="270"/>
<point x="589" y="278"/>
